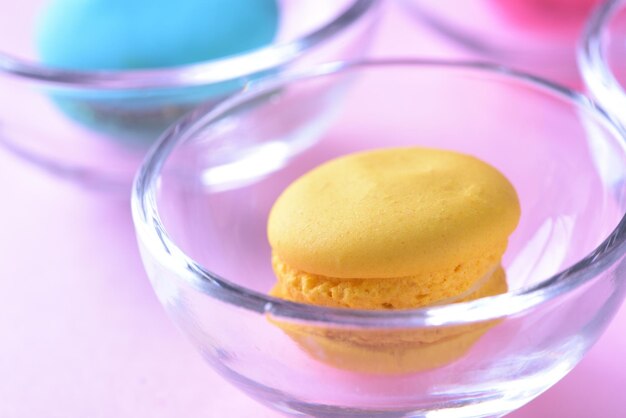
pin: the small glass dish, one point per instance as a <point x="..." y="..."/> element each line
<point x="537" y="36"/>
<point x="94" y="127"/>
<point x="602" y="55"/>
<point x="201" y="201"/>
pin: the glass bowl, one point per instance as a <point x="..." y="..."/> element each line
<point x="602" y="55"/>
<point x="538" y="36"/>
<point x="95" y="126"/>
<point x="201" y="201"/>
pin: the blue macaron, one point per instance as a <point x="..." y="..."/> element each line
<point x="118" y="35"/>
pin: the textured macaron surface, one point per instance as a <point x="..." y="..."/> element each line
<point x="392" y="213"/>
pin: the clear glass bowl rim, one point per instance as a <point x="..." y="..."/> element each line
<point x="592" y="61"/>
<point x="214" y="71"/>
<point x="151" y="232"/>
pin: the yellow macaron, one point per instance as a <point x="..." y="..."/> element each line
<point x="395" y="228"/>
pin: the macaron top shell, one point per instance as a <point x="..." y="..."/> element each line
<point x="138" y="34"/>
<point x="393" y="213"/>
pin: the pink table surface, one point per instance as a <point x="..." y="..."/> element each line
<point x="82" y="334"/>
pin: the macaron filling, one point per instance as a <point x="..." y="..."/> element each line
<point x="455" y="284"/>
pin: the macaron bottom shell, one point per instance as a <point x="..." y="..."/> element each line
<point x="394" y="351"/>
<point x="138" y="118"/>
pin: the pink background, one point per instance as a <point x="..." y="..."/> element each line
<point x="82" y="335"/>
